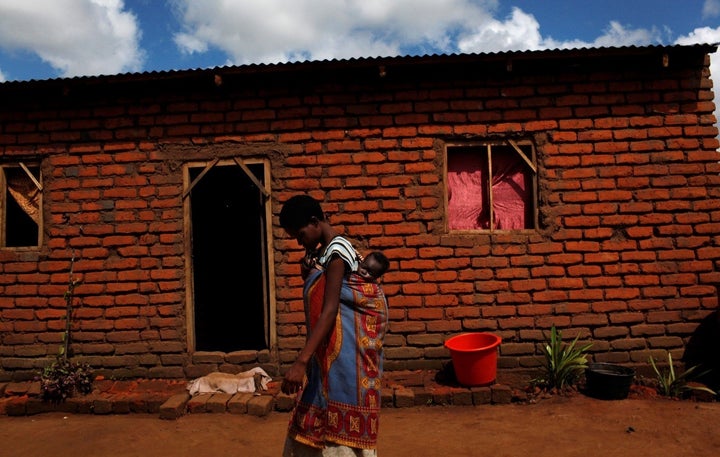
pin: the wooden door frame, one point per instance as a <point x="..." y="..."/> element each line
<point x="269" y="271"/>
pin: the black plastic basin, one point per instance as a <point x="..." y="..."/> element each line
<point x="608" y="381"/>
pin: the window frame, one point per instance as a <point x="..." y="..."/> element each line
<point x="530" y="161"/>
<point x="37" y="182"/>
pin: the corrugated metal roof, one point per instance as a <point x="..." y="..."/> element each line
<point x="518" y="55"/>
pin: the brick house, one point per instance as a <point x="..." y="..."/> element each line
<point x="512" y="191"/>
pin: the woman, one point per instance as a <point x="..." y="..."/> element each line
<point x="338" y="371"/>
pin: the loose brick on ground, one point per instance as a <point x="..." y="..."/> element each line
<point x="461" y="397"/>
<point x="260" y="405"/>
<point x="217" y="403"/>
<point x="138" y="403"/>
<point x="154" y="402"/>
<point x="16" y="406"/>
<point x="481" y="395"/>
<point x="102" y="405"/>
<point x="404" y="397"/>
<point x="284" y="402"/>
<point x="422" y="396"/>
<point x="501" y="394"/>
<point x="120" y="404"/>
<point x="238" y="404"/>
<point x="174" y="407"/>
<point x="34" y="389"/>
<point x="71" y="405"/>
<point x="17" y="388"/>
<point x="37" y="406"/>
<point x="441" y="396"/>
<point x="197" y="403"/>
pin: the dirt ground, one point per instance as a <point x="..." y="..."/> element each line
<point x="557" y="426"/>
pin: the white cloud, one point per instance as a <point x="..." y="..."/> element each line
<point x="2" y="77"/>
<point x="520" y="31"/>
<point x="711" y="8"/>
<point x="618" y="35"/>
<point x="279" y="30"/>
<point x="701" y="35"/>
<point x="76" y="37"/>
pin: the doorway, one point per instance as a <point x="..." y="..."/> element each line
<point x="228" y="213"/>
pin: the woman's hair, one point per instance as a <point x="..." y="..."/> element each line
<point x="299" y="211"/>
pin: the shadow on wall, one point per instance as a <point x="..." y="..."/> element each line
<point x="703" y="349"/>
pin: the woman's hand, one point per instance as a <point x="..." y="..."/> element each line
<point x="294" y="378"/>
<point x="307" y="263"/>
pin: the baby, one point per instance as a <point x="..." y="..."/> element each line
<point x="373" y="266"/>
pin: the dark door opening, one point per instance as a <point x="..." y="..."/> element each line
<point x="228" y="249"/>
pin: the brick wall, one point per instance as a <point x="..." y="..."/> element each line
<point x="626" y="256"/>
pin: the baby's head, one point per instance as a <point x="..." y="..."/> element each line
<point x="373" y="266"/>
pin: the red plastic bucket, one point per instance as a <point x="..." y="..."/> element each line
<point x="474" y="357"/>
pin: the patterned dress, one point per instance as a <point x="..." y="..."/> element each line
<point x="337" y="412"/>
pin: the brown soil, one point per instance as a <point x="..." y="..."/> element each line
<point x="536" y="423"/>
<point x="557" y="426"/>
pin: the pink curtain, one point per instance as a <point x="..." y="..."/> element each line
<point x="468" y="198"/>
<point x="465" y="191"/>
<point x="510" y="193"/>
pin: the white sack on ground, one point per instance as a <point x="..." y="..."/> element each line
<point x="247" y="381"/>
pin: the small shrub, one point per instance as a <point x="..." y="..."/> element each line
<point x="563" y="364"/>
<point x="676" y="386"/>
<point x="63" y="378"/>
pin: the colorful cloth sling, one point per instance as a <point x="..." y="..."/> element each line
<point x="341" y="401"/>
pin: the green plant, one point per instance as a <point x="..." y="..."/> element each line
<point x="63" y="378"/>
<point x="673" y="385"/>
<point x="563" y="363"/>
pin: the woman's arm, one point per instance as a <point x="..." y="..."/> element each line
<point x="294" y="377"/>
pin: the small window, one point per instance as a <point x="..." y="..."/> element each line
<point x="491" y="186"/>
<point x="20" y="205"/>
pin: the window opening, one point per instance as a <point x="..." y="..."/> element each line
<point x="230" y="287"/>
<point x="20" y="205"/>
<point x="491" y="186"/>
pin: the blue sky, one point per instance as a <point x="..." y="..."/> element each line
<point x="42" y="39"/>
